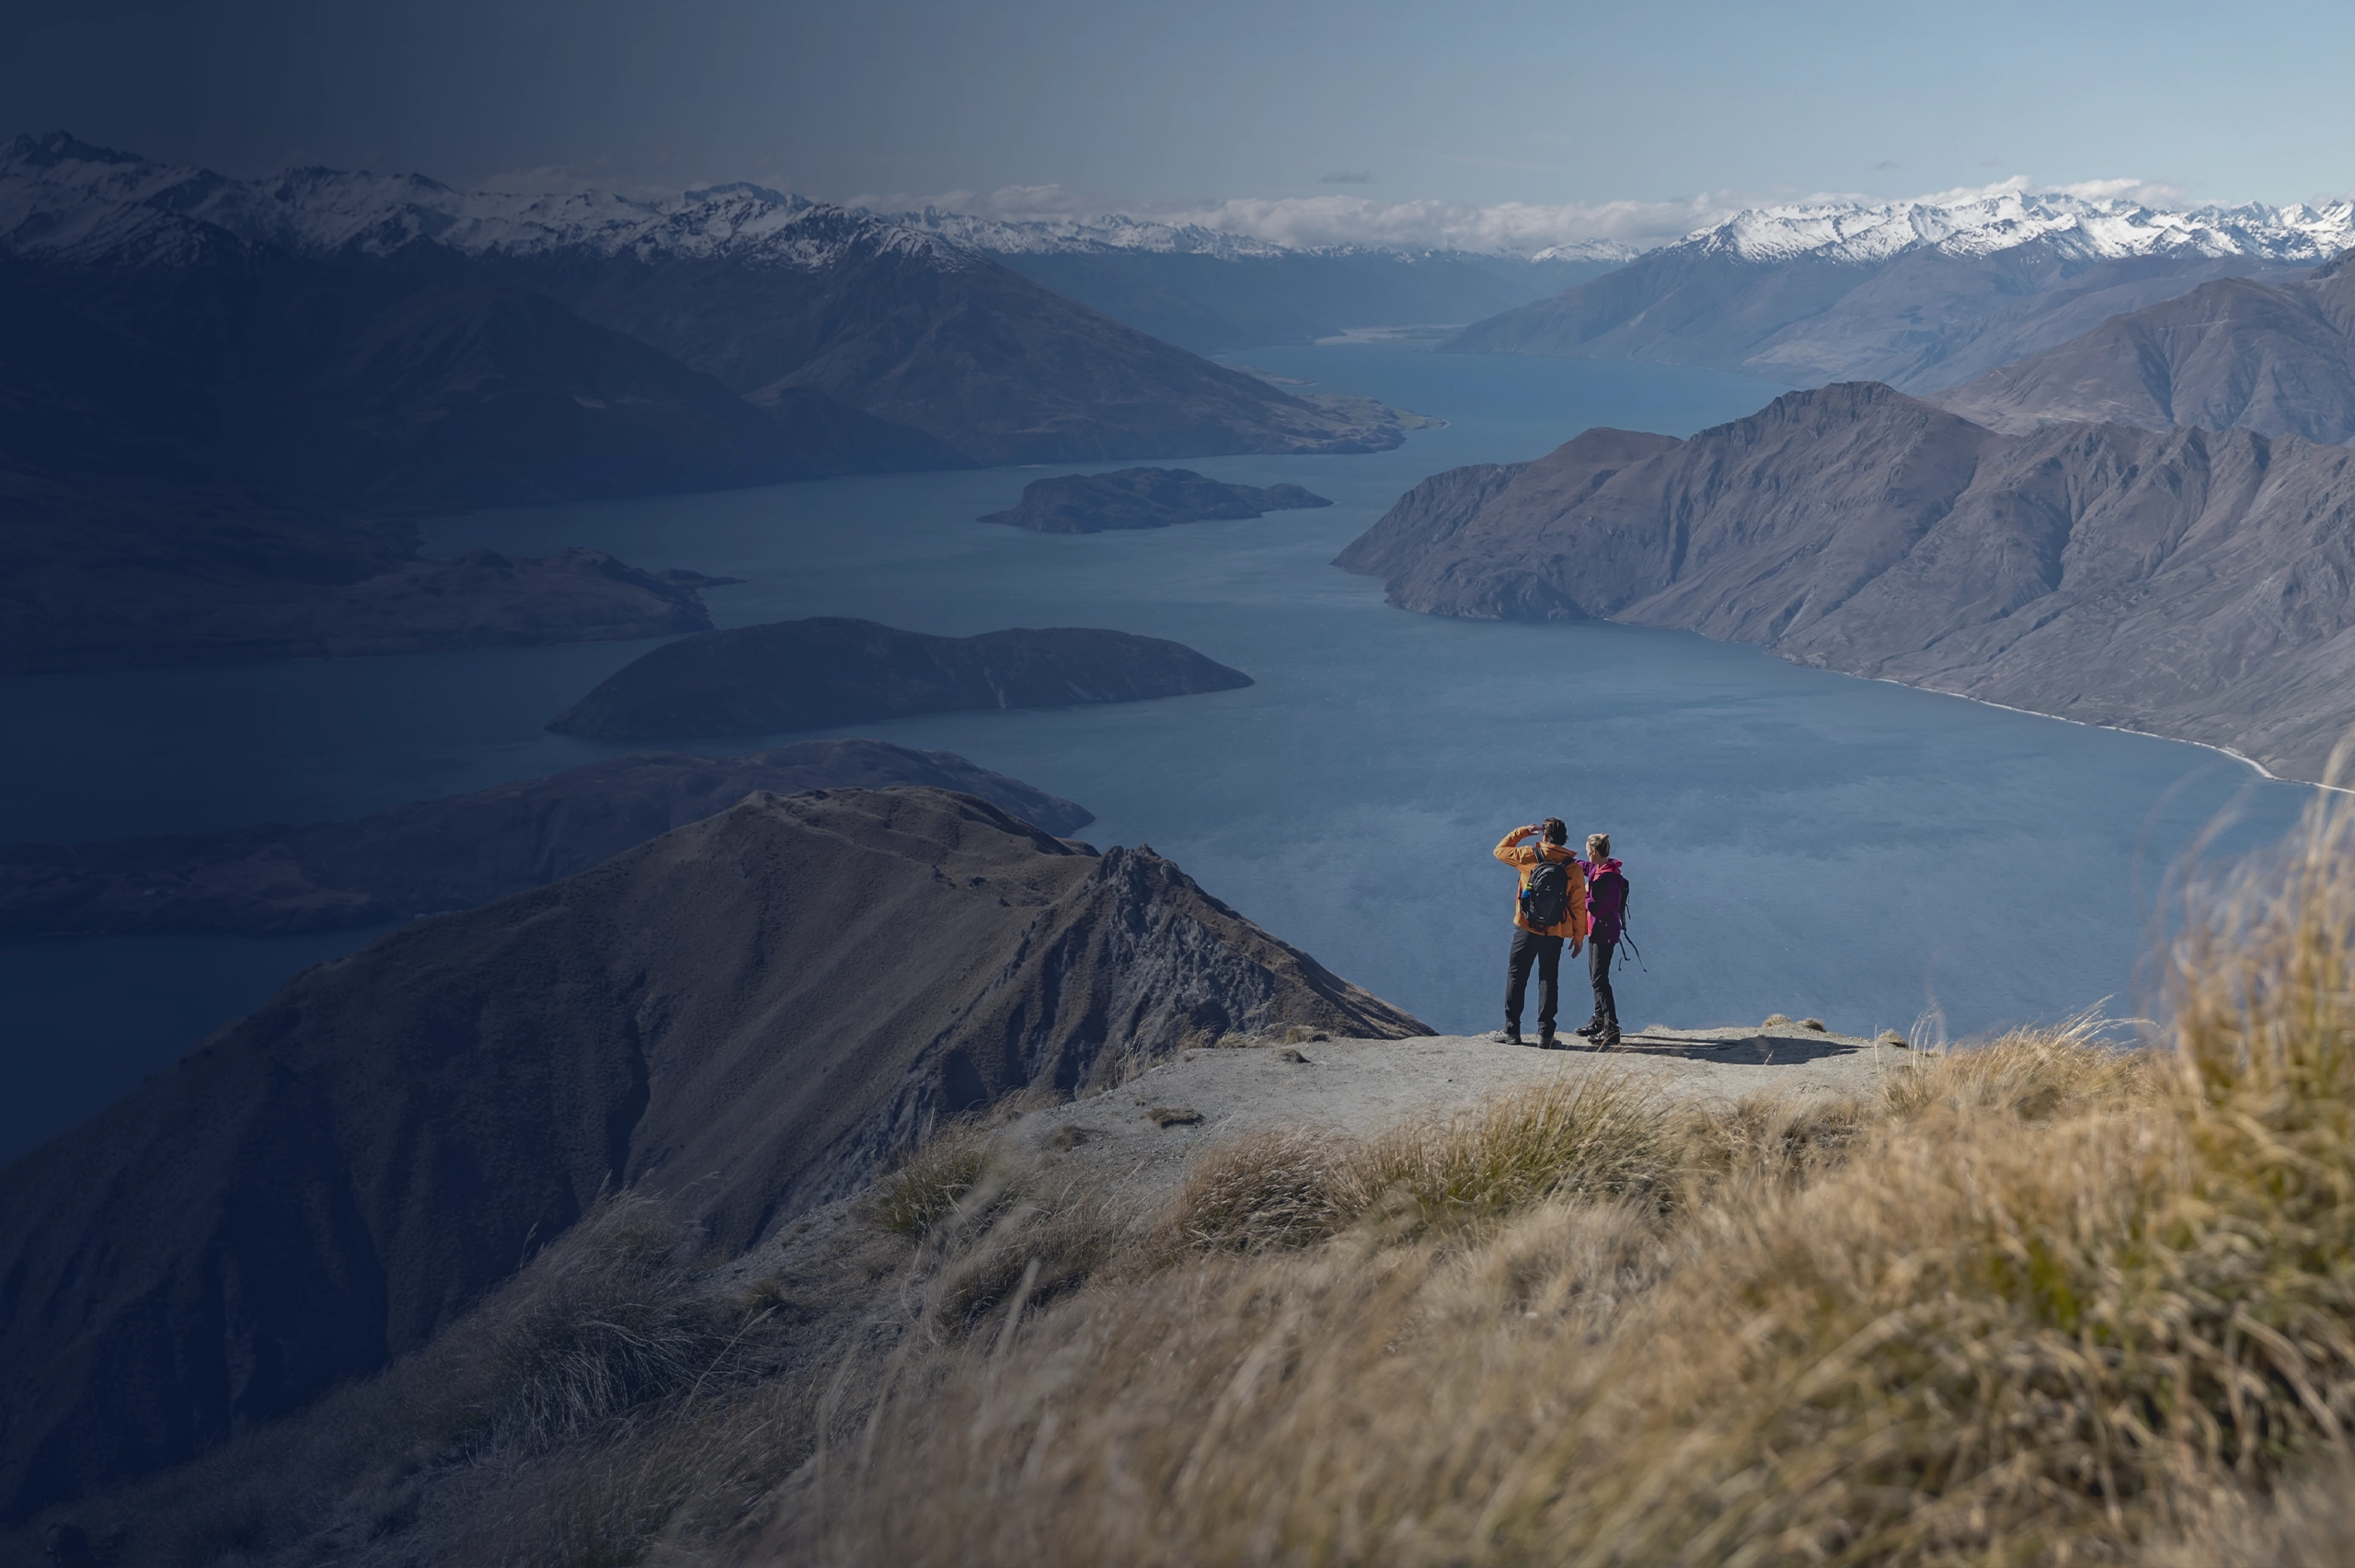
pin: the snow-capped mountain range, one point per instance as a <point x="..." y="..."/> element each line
<point x="1986" y="222"/>
<point x="65" y="199"/>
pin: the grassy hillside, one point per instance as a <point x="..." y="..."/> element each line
<point x="2050" y="1301"/>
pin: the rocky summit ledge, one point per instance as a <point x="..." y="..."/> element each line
<point x="1142" y="1136"/>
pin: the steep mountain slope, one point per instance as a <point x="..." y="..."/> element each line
<point x="2178" y="582"/>
<point x="1916" y="294"/>
<point x="326" y="1184"/>
<point x="2239" y="354"/>
<point x="946" y="342"/>
<point x="452" y="853"/>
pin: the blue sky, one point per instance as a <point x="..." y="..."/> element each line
<point x="1137" y="104"/>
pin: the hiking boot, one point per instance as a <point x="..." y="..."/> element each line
<point x="1607" y="1036"/>
<point x="1587" y="1028"/>
<point x="1506" y="1036"/>
<point x="1545" y="1041"/>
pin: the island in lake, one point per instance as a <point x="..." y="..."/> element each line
<point x="792" y="675"/>
<point x="1144" y="497"/>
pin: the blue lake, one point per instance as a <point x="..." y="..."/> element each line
<point x="1798" y="842"/>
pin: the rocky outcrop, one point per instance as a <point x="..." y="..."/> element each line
<point x="753" y="1013"/>
<point x="2181" y="582"/>
<point x="828" y="671"/>
<point x="1144" y="497"/>
<point x="2239" y="354"/>
<point x="446" y="854"/>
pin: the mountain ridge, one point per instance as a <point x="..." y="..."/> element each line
<point x="2278" y="358"/>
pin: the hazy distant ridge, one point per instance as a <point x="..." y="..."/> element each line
<point x="1918" y="294"/>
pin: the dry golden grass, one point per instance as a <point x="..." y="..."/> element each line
<point x="2046" y="1301"/>
<point x="929" y="1185"/>
<point x="1596" y="1135"/>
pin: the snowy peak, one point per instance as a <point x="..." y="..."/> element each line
<point x="65" y="200"/>
<point x="1983" y="223"/>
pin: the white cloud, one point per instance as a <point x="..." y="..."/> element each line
<point x="1338" y="219"/>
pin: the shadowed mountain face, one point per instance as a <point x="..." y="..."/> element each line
<point x="2240" y="354"/>
<point x="2178" y="582"/>
<point x="755" y="1011"/>
<point x="448" y="855"/>
<point x="950" y="343"/>
<point x="1144" y="497"/>
<point x="828" y="671"/>
<point x="1922" y="318"/>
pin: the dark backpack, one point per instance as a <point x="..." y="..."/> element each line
<point x="1546" y="897"/>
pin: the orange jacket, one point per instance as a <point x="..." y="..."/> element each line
<point x="1513" y="853"/>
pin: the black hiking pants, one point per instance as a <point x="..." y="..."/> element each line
<point x="1597" y="973"/>
<point x="1545" y="951"/>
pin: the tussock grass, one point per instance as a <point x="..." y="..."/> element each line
<point x="2043" y="1301"/>
<point x="1596" y="1135"/>
<point x="608" y="1321"/>
<point x="931" y="1184"/>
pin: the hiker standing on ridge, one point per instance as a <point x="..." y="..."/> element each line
<point x="1606" y="902"/>
<point x="1552" y="906"/>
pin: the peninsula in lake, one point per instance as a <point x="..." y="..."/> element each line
<point x="1144" y="497"/>
<point x="826" y="671"/>
<point x="2183" y="582"/>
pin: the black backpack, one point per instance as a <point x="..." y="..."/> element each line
<point x="1546" y="897"/>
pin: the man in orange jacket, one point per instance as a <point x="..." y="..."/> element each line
<point x="1550" y="906"/>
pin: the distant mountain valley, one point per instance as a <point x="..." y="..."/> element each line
<point x="224" y="400"/>
<point x="1920" y="295"/>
